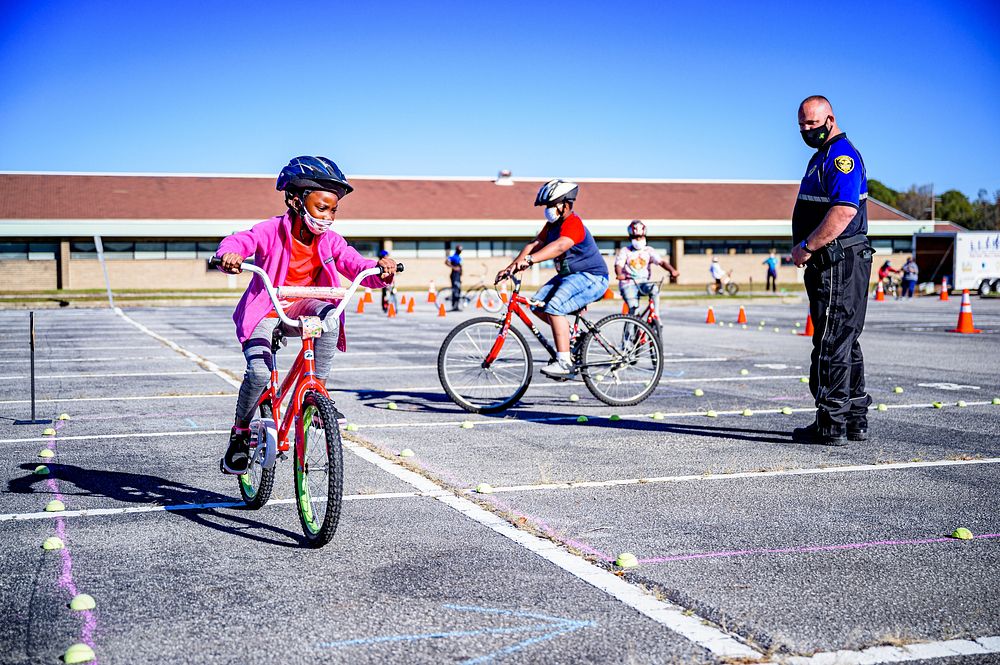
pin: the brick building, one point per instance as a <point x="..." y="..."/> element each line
<point x="158" y="230"/>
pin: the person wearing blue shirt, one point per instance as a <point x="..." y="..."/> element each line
<point x="829" y="227"/>
<point x="455" y="263"/>
<point x="772" y="272"/>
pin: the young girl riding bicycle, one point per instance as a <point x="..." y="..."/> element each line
<point x="295" y="249"/>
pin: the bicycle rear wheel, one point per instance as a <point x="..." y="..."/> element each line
<point x="319" y="470"/>
<point x="622" y="360"/>
<point x="444" y="296"/>
<point x="732" y="288"/>
<point x="481" y="389"/>
<point x="258" y="482"/>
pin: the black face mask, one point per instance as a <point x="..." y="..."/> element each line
<point x="817" y="136"/>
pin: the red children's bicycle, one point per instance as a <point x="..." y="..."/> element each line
<point x="485" y="364"/>
<point x="310" y="414"/>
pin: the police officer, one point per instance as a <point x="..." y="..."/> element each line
<point x="829" y="224"/>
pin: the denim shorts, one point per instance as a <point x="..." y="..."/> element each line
<point x="565" y="294"/>
<point x="631" y="291"/>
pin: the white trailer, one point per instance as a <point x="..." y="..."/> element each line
<point x="969" y="259"/>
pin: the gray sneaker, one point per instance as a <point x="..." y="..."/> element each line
<point x="559" y="370"/>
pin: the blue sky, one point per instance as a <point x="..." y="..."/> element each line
<point x="585" y="89"/>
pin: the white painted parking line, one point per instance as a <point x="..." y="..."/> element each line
<point x="101" y="359"/>
<point x="511" y="420"/>
<point x="746" y="474"/>
<point x="118" y="399"/>
<point x="130" y="435"/>
<point x="382" y="368"/>
<point x="96" y="512"/>
<point x="901" y="654"/>
<point x="667" y="614"/>
<point x="673" y="617"/>
<point x="148" y="374"/>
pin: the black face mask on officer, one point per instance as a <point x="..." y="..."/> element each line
<point x="817" y="136"/>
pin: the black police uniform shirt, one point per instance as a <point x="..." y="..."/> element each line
<point x="835" y="176"/>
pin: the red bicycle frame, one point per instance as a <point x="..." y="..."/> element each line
<point x="300" y="379"/>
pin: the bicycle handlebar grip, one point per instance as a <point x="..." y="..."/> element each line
<point x="215" y="262"/>
<point x="400" y="267"/>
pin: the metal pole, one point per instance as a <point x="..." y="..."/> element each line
<point x="31" y="329"/>
<point x="104" y="266"/>
<point x="31" y="354"/>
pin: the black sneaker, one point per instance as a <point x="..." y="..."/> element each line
<point x="236" y="461"/>
<point x="812" y="435"/>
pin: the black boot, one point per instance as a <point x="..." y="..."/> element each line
<point x="236" y="461"/>
<point x="813" y="435"/>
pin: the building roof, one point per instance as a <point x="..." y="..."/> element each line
<point x="25" y="196"/>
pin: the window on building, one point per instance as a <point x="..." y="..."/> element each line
<point x="369" y="248"/>
<point x="182" y="250"/>
<point x="206" y="250"/>
<point x="42" y="251"/>
<point x="117" y="250"/>
<point x="782" y="246"/>
<point x="150" y="250"/>
<point x="13" y="251"/>
<point x="431" y="249"/>
<point x="893" y="245"/>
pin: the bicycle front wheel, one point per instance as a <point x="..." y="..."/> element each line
<point x="622" y="360"/>
<point x="481" y="389"/>
<point x="319" y="470"/>
<point x="490" y="300"/>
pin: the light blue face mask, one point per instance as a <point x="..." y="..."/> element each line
<point x="551" y="214"/>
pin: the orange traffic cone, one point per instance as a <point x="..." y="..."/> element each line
<point x="965" y="326"/>
<point x="809" y="327"/>
<point x="431" y="295"/>
<point x="368" y="296"/>
<point x="361" y="306"/>
<point x="409" y="306"/>
<point x="711" y="316"/>
<point x="944" y="288"/>
<point x="879" y="292"/>
<point x="479" y="303"/>
<point x="609" y="294"/>
<point x="392" y="311"/>
<point x="742" y="318"/>
<point x="624" y="308"/>
<point x="503" y="293"/>
<point x="441" y="309"/>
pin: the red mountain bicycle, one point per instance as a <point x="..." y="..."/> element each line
<point x="318" y="456"/>
<point x="485" y="364"/>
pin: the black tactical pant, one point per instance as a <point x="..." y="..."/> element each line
<point x="838" y="301"/>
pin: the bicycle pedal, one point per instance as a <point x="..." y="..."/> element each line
<point x="282" y="456"/>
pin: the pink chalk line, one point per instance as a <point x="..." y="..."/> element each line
<point x="809" y="549"/>
<point x="66" y="577"/>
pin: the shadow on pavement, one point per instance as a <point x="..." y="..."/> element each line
<point x="152" y="490"/>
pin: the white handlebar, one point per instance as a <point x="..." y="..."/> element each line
<point x="321" y="292"/>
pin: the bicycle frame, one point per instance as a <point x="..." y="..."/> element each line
<point x="651" y="313"/>
<point x="514" y="304"/>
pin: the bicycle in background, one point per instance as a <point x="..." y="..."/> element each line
<point x="482" y="292"/>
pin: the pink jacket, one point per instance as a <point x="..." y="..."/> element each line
<point x="266" y="242"/>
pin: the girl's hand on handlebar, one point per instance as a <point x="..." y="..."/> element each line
<point x="231" y="262"/>
<point x="504" y="274"/>
<point x="388" y="267"/>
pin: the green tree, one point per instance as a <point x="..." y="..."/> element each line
<point x="955" y="207"/>
<point x="886" y="195"/>
<point x="986" y="211"/>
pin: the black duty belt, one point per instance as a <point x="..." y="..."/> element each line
<point x="852" y="241"/>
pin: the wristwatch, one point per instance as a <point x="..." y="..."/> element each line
<point x="530" y="261"/>
<point x="804" y="246"/>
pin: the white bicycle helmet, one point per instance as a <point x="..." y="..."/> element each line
<point x="556" y="191"/>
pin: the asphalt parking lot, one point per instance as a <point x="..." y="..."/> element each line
<point x="750" y="547"/>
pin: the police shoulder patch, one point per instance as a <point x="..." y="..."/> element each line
<point x="844" y="164"/>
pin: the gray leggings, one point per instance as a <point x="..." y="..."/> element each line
<point x="257" y="350"/>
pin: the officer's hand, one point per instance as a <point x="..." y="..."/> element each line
<point x="800" y="256"/>
<point x="502" y="275"/>
<point x="231" y="262"/>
